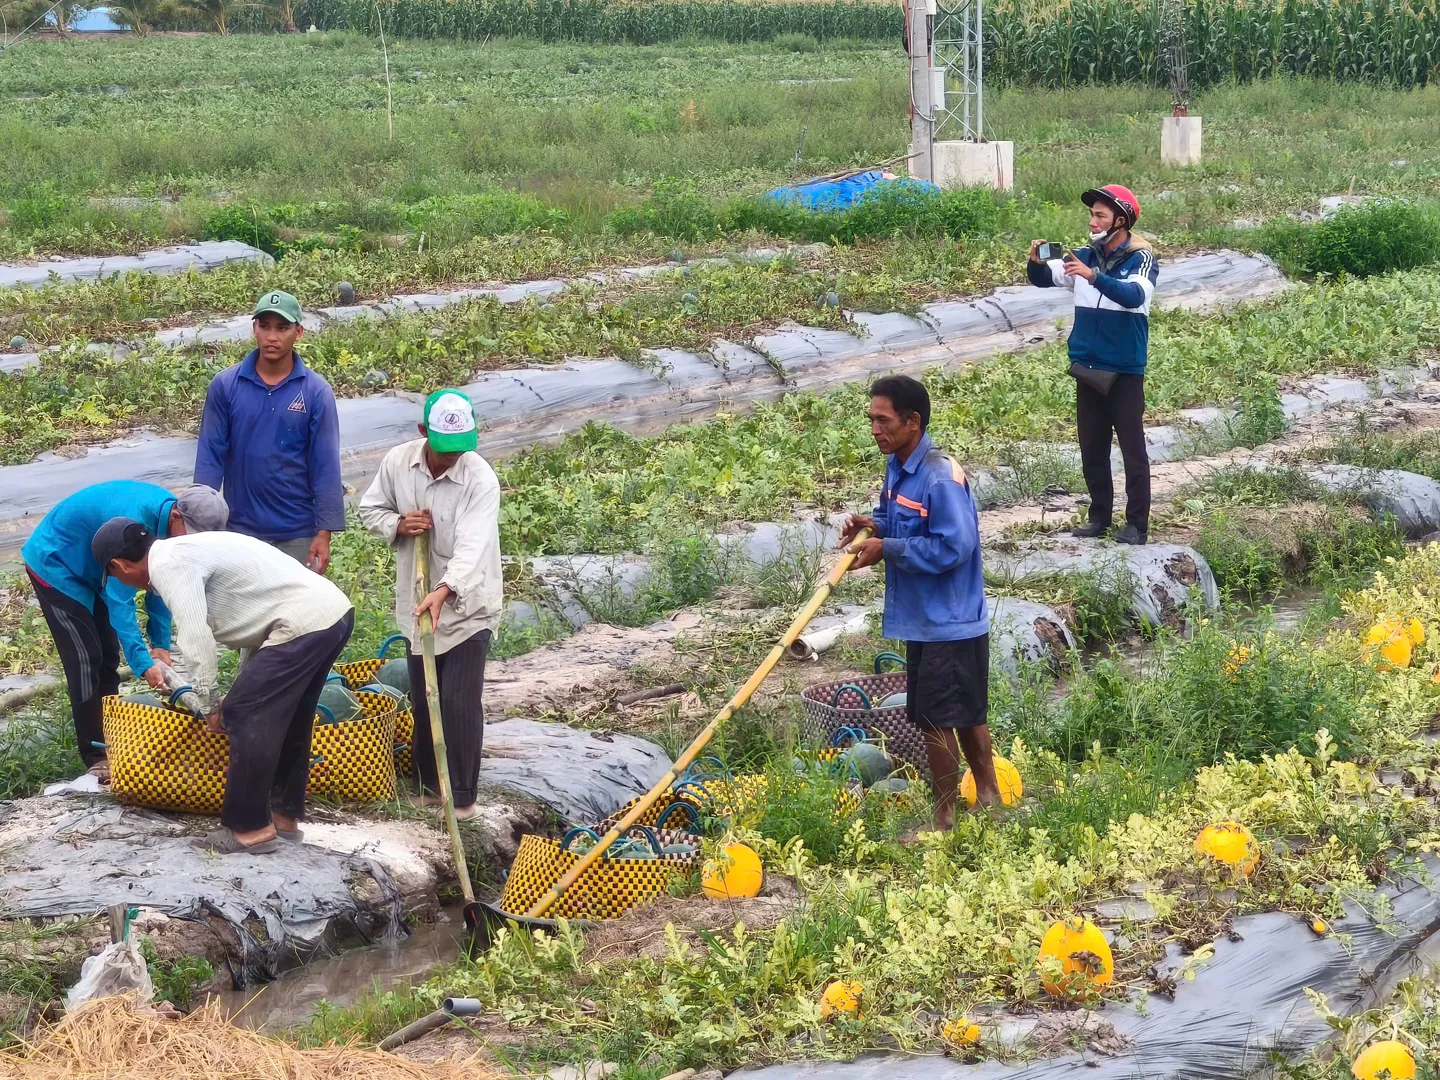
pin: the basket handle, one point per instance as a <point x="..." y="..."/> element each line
<point x="854" y="734"/>
<point x="327" y="711"/>
<point x="380" y="653"/>
<point x="580" y="831"/>
<point x="335" y="676"/>
<point x="647" y="833"/>
<point x="401" y="747"/>
<point x="835" y="697"/>
<point x="697" y="768"/>
<point x="881" y="659"/>
<point x="669" y="810"/>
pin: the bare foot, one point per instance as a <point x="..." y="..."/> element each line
<point x="944" y="820"/>
<point x="100" y="770"/>
<point x="466" y="813"/>
<point x="425" y="800"/>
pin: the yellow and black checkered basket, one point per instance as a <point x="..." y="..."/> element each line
<point x="165" y="758"/>
<point x="354" y="760"/>
<point x="358" y="673"/>
<point x="609" y="888"/>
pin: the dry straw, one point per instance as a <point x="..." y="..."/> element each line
<point x="114" y="1039"/>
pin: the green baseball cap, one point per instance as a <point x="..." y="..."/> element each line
<point x="450" y="422"/>
<point x="281" y="303"/>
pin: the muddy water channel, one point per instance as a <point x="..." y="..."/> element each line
<point x="342" y="980"/>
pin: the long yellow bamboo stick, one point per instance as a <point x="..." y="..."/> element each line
<point x="437" y="727"/>
<point x="802" y="619"/>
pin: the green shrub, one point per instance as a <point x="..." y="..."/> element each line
<point x="1194" y="702"/>
<point x="798" y="43"/>
<point x="39" y="206"/>
<point x="1359" y="240"/>
<point x="676" y="208"/>
<point x="1244" y="561"/>
<point x="448" y="219"/>
<point x="248" y="224"/>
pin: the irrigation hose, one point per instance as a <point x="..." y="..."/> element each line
<point x="802" y="619"/>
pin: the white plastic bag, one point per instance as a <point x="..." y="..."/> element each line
<point x="117" y="969"/>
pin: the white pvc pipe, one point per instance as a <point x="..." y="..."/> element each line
<point x="810" y="646"/>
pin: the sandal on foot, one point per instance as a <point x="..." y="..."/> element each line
<point x="224" y="842"/>
<point x="291" y="836"/>
<point x="101" y="771"/>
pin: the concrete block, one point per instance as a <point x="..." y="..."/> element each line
<point x="972" y="164"/>
<point x="1180" y="140"/>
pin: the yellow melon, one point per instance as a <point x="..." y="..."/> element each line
<point x="841" y="998"/>
<point x="1415" y="629"/>
<point x="1230" y="843"/>
<point x="1385" y="1059"/>
<point x="735" y="876"/>
<point x="1084" y="955"/>
<point x="1006" y="776"/>
<point x="960" y="1032"/>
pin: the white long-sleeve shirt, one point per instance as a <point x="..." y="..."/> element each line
<point x="238" y="591"/>
<point x="464" y="503"/>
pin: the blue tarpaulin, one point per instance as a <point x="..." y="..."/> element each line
<point x="843" y="194"/>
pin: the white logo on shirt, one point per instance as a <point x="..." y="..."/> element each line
<point x="298" y="405"/>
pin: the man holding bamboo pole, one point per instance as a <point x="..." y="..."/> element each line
<point x="438" y="485"/>
<point x="928" y="534"/>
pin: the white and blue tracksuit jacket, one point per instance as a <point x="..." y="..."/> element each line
<point x="1112" y="314"/>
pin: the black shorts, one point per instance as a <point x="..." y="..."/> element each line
<point x="948" y="682"/>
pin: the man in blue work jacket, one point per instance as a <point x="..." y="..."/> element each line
<point x="270" y="435"/>
<point x="928" y="534"/>
<point x="91" y="621"/>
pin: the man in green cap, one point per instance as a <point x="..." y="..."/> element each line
<point x="270" y="436"/>
<point x="439" y="485"/>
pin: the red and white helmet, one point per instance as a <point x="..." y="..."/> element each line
<point x="1120" y="199"/>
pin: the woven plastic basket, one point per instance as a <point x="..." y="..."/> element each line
<point x="166" y="759"/>
<point x="354" y="761"/>
<point x="831" y="707"/>
<point x="362" y="672"/>
<point x="611" y="887"/>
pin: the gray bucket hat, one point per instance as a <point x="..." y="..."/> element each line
<point x="203" y="509"/>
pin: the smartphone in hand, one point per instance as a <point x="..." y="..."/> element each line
<point x="1049" y="250"/>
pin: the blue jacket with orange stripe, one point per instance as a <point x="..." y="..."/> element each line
<point x="934" y="589"/>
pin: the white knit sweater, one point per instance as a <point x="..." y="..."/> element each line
<point x="238" y="591"/>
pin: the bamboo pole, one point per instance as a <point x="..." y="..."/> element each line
<point x="691" y="752"/>
<point x="437" y="729"/>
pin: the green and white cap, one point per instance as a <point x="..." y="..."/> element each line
<point x="281" y="303"/>
<point x="450" y="422"/>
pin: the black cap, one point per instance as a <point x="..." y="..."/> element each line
<point x="119" y="538"/>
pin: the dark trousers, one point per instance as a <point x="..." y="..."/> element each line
<point x="269" y="715"/>
<point x="1122" y="411"/>
<point x="461" y="673"/>
<point x="90" y="657"/>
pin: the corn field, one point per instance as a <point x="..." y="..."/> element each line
<point x="601" y="22"/>
<point x="1026" y="43"/>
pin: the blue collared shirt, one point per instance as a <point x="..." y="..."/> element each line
<point x="275" y="450"/>
<point x="58" y="553"/>
<point x="934" y="589"/>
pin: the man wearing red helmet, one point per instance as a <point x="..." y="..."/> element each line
<point x="1114" y="281"/>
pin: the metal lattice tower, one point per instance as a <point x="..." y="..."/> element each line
<point x="959" y="70"/>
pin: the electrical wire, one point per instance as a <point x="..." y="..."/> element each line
<point x="39" y="18"/>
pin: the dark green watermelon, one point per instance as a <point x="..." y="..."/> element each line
<point x="341" y="703"/>
<point x="395" y="673"/>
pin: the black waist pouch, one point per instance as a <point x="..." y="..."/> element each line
<point x="1096" y="379"/>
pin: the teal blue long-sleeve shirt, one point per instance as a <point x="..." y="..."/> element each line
<point x="58" y="553"/>
<point x="934" y="588"/>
